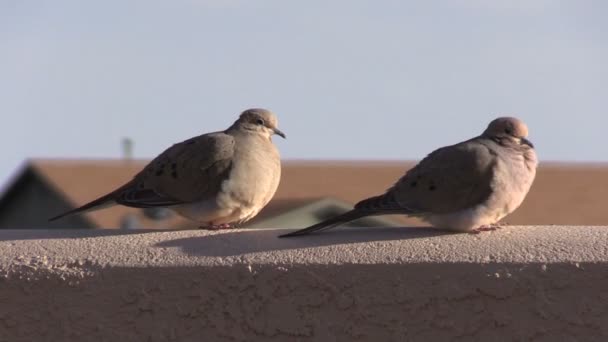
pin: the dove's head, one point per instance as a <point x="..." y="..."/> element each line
<point x="260" y="121"/>
<point x="509" y="128"/>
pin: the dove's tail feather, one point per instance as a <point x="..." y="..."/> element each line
<point x="329" y="223"/>
<point x="385" y="204"/>
<point x="99" y="203"/>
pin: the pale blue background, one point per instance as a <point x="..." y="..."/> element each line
<point x="348" y="79"/>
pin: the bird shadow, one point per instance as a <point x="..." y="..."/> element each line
<point x="245" y="241"/>
<point x="228" y="244"/>
<point x="44" y="234"/>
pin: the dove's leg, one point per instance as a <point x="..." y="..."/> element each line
<point x="486" y="228"/>
<point x="217" y="226"/>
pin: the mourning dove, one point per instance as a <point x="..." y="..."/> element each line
<point x="218" y="179"/>
<point x="465" y="187"/>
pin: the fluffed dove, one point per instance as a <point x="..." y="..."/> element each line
<point x="465" y="187"/>
<point x="218" y="179"/>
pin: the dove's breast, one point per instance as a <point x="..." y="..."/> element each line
<point x="253" y="180"/>
<point x="515" y="173"/>
<point x="512" y="178"/>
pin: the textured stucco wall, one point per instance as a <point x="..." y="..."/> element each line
<point x="397" y="284"/>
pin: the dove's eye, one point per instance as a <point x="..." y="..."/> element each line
<point x="259" y="122"/>
<point x="508" y="131"/>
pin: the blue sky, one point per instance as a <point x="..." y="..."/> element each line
<point x="347" y="79"/>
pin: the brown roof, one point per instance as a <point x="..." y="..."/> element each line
<point x="561" y="194"/>
<point x="83" y="180"/>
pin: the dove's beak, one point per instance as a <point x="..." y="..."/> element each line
<point x="279" y="133"/>
<point x="525" y="141"/>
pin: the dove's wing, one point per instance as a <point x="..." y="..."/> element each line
<point x="448" y="180"/>
<point x="192" y="170"/>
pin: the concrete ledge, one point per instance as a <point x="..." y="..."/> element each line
<point x="386" y="284"/>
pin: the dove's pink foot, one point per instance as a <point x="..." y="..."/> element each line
<point x="217" y="226"/>
<point x="486" y="228"/>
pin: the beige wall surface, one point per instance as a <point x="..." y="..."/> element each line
<point x="545" y="283"/>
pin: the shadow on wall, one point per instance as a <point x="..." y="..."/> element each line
<point x="244" y="242"/>
<point x="43" y="234"/>
<point x="391" y="302"/>
<point x="231" y="243"/>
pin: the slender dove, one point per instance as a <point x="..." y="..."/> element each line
<point x="220" y="179"/>
<point x="467" y="187"/>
